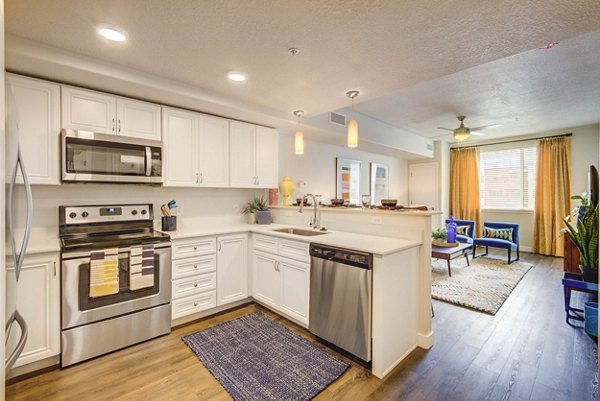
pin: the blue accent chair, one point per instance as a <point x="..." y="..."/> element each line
<point x="497" y="242"/>
<point x="466" y="239"/>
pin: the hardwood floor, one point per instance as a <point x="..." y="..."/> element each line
<point x="525" y="352"/>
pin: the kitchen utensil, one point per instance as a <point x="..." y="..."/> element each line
<point x="337" y="202"/>
<point x="389" y="202"/>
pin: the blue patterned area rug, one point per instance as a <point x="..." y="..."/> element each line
<point x="255" y="358"/>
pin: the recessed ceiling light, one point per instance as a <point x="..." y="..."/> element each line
<point x="236" y="76"/>
<point x="112" y="34"/>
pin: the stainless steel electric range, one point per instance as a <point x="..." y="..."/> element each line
<point x="115" y="279"/>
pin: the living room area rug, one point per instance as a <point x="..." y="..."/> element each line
<point x="483" y="286"/>
<point x="256" y="358"/>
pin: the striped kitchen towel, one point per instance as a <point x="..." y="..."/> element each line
<point x="104" y="272"/>
<point x="141" y="267"/>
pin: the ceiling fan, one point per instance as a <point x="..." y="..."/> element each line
<point x="462" y="133"/>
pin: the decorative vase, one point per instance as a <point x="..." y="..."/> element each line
<point x="451" y="230"/>
<point x="251" y="218"/>
<point x="286" y="187"/>
<point x="589" y="274"/>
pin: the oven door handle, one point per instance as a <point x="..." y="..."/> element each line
<point x="148" y="161"/>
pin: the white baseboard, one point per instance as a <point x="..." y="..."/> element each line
<point x="382" y="375"/>
<point x="425" y="341"/>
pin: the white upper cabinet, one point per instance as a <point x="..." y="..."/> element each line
<point x="253" y="156"/>
<point x="138" y="119"/>
<point x="196" y="148"/>
<point x="179" y="148"/>
<point x="242" y="155"/>
<point x="108" y="114"/>
<point x="88" y="110"/>
<point x="267" y="157"/>
<point x="213" y="151"/>
<point x="38" y="105"/>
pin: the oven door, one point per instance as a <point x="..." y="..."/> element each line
<point x="78" y="308"/>
<point x="88" y="156"/>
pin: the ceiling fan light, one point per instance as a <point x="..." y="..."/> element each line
<point x="352" y="133"/>
<point x="461" y="134"/>
<point x="299" y="143"/>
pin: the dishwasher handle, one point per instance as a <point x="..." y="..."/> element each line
<point x="349" y="257"/>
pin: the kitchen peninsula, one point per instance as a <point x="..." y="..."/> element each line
<point x="401" y="307"/>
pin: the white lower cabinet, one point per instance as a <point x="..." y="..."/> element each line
<point x="38" y="301"/>
<point x="295" y="289"/>
<point x="194" y="276"/>
<point x="232" y="268"/>
<point x="208" y="272"/>
<point x="193" y="304"/>
<point x="266" y="278"/>
<point x="279" y="281"/>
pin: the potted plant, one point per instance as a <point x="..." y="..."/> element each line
<point x="255" y="205"/>
<point x="584" y="234"/>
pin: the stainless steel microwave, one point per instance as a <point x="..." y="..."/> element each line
<point x="92" y="157"/>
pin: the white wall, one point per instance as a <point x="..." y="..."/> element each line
<point x="205" y="204"/>
<point x="316" y="167"/>
<point x="441" y="155"/>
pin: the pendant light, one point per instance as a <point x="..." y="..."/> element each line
<point x="352" y="124"/>
<point x="299" y="137"/>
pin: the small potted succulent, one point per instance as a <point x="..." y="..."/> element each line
<point x="256" y="205"/>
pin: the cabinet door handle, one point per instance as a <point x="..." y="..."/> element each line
<point x="195" y="266"/>
<point x="197" y="178"/>
<point x="196" y="285"/>
<point x="113" y="125"/>
<point x="201" y="178"/>
<point x="219" y="246"/>
<point x="54" y="269"/>
<point x="195" y="248"/>
<point x="195" y="304"/>
<point x="119" y="123"/>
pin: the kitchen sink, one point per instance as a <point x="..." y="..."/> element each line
<point x="299" y="231"/>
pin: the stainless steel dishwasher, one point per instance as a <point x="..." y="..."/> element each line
<point x="341" y="297"/>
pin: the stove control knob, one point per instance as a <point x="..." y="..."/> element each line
<point x="85" y="214"/>
<point x="144" y="211"/>
<point x="134" y="212"/>
<point x="72" y="215"/>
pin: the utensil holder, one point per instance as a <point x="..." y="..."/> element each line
<point x="169" y="223"/>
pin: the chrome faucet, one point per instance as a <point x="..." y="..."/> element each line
<point x="314" y="221"/>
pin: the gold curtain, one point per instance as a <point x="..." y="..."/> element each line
<point x="464" y="186"/>
<point x="552" y="194"/>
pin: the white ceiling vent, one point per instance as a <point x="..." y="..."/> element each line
<point x="336" y="118"/>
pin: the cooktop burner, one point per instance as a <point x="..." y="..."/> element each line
<point x="108" y="240"/>
<point x="106" y="226"/>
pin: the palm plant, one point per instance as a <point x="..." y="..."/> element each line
<point x="585" y="236"/>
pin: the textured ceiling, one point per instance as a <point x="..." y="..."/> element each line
<point x="386" y="49"/>
<point x="531" y="92"/>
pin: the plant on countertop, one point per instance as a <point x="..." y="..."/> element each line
<point x="255" y="205"/>
<point x="585" y="237"/>
<point x="439" y="235"/>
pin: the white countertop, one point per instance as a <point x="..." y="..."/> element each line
<point x="360" y="242"/>
<point x="43" y="240"/>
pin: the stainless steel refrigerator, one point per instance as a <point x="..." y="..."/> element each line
<point x="15" y="324"/>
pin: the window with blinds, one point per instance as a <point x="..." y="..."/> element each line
<point x="508" y="178"/>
